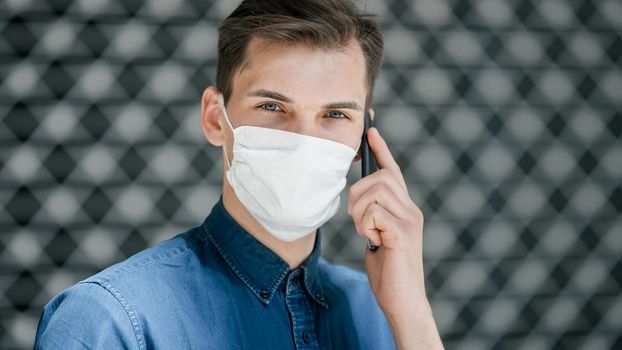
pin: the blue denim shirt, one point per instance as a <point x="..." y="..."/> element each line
<point x="216" y="287"/>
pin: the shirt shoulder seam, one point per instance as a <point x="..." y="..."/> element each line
<point x="127" y="307"/>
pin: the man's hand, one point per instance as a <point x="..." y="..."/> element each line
<point x="383" y="212"/>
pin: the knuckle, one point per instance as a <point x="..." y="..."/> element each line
<point x="418" y="214"/>
<point x="374" y="208"/>
<point x="379" y="188"/>
<point x="384" y="172"/>
<point x="351" y="193"/>
<point x="418" y="211"/>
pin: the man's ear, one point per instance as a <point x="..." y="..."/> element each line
<point x="210" y="116"/>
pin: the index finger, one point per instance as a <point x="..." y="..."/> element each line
<point x="383" y="155"/>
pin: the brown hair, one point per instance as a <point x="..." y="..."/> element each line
<point x="322" y="24"/>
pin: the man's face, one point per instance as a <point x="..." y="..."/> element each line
<point x="308" y="91"/>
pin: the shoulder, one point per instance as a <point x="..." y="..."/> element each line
<point x="338" y="278"/>
<point x="158" y="258"/>
<point x="143" y="279"/>
<point x="86" y="314"/>
<point x="107" y="305"/>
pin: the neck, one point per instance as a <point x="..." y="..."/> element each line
<point x="294" y="252"/>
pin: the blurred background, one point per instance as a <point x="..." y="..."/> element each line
<point x="505" y="117"/>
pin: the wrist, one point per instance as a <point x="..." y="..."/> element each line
<point x="415" y="329"/>
<point x="411" y="315"/>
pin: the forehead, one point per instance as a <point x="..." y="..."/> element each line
<point x="302" y="69"/>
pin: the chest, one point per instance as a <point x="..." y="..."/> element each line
<point x="233" y="318"/>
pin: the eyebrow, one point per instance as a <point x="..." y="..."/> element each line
<point x="269" y="94"/>
<point x="344" y="104"/>
<point x="277" y="96"/>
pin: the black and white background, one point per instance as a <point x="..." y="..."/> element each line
<point x="504" y="115"/>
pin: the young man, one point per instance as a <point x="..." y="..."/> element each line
<point x="294" y="79"/>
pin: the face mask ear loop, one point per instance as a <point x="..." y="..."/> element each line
<point x="226" y="157"/>
<point x="221" y="101"/>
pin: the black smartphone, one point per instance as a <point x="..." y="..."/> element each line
<point x="368" y="162"/>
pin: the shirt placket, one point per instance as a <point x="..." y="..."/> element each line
<point x="299" y="306"/>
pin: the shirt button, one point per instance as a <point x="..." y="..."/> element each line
<point x="305" y="337"/>
<point x="295" y="280"/>
<point x="264" y="294"/>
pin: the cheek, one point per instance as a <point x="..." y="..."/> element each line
<point x="351" y="135"/>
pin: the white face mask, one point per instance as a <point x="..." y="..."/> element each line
<point x="289" y="182"/>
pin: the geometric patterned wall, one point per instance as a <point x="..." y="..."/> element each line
<point x="505" y="116"/>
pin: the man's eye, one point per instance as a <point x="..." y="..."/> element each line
<point x="270" y="107"/>
<point x="337" y="115"/>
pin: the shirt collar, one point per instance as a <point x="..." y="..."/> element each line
<point x="256" y="265"/>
